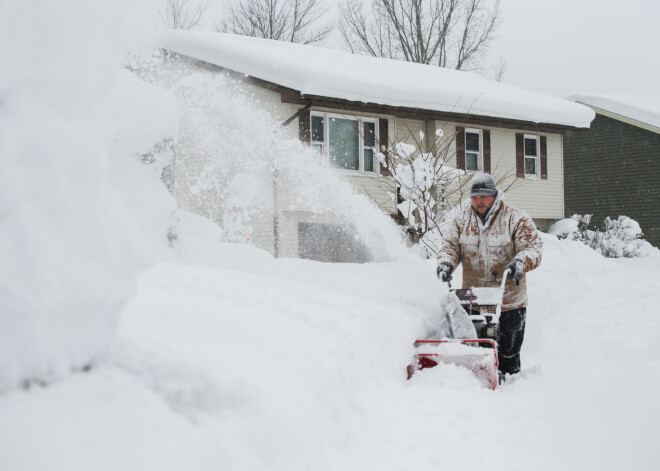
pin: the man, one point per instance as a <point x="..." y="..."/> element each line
<point x="488" y="237"/>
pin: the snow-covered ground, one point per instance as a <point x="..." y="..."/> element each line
<point x="123" y="349"/>
<point x="273" y="364"/>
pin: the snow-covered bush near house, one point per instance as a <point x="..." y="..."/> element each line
<point x="621" y="237"/>
<point x="68" y="248"/>
<point x="424" y="183"/>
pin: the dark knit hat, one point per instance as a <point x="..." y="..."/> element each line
<point x="482" y="185"/>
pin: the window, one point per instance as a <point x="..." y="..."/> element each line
<point x="531" y="155"/>
<point x="473" y="146"/>
<point x="346" y="142"/>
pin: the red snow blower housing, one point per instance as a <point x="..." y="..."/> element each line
<point x="480" y="307"/>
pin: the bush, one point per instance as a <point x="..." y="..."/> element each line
<point x="621" y="237"/>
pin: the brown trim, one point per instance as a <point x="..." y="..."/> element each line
<point x="486" y="139"/>
<point x="304" y="126"/>
<point x="520" y="155"/>
<point x="289" y="95"/>
<point x="421" y="114"/>
<point x="460" y="148"/>
<point x="544" y="158"/>
<point x="384" y="143"/>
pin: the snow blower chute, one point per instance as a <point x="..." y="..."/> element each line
<point x="472" y="318"/>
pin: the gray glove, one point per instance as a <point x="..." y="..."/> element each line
<point x="517" y="267"/>
<point x="445" y="270"/>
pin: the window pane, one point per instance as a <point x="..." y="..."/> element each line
<point x="318" y="148"/>
<point x="530" y="166"/>
<point x="530" y="147"/>
<point x="344" y="143"/>
<point x="471" y="161"/>
<point x="317" y="128"/>
<point x="368" y="160"/>
<point x="472" y="141"/>
<point x="370" y="134"/>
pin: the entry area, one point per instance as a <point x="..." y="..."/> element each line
<point x="336" y="243"/>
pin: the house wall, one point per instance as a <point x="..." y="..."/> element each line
<point x="190" y="161"/>
<point x="542" y="199"/>
<point x="611" y="170"/>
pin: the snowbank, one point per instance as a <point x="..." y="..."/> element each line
<point x="68" y="248"/>
<point x="259" y="363"/>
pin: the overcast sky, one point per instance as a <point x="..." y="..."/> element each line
<point x="562" y="47"/>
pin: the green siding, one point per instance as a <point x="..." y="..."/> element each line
<point x="613" y="169"/>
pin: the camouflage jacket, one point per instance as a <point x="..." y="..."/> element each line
<point x="484" y="248"/>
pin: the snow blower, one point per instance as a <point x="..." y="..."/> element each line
<point x="472" y="318"/>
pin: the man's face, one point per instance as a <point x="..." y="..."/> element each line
<point x="482" y="204"/>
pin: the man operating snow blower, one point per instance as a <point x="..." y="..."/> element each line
<point x="489" y="237"/>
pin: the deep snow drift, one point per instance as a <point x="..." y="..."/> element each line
<point x="290" y="364"/>
<point x="68" y="247"/>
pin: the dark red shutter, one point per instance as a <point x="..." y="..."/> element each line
<point x="544" y="157"/>
<point x="520" y="155"/>
<point x="486" y="136"/>
<point x="460" y="148"/>
<point x="383" y="143"/>
<point x="304" y="126"/>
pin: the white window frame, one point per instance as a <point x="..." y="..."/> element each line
<point x="536" y="157"/>
<point x="326" y="136"/>
<point x="480" y="156"/>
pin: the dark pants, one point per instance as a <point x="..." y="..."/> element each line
<point x="510" y="340"/>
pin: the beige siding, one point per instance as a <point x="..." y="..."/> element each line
<point x="411" y="131"/>
<point x="380" y="189"/>
<point x="541" y="199"/>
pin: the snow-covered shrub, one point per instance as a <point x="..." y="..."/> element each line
<point x="621" y="237"/>
<point x="429" y="190"/>
<point x="424" y="183"/>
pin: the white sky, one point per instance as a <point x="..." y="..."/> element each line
<point x="562" y="47"/>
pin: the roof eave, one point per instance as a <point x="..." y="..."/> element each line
<point x="292" y="96"/>
<point x="622" y="118"/>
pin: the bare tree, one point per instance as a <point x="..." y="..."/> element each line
<point x="182" y="14"/>
<point x="447" y="33"/>
<point x="499" y="70"/>
<point x="428" y="189"/>
<point x="294" y="21"/>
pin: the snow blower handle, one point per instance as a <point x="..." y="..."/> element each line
<point x="505" y="275"/>
<point x="498" y="309"/>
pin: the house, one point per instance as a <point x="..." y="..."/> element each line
<point x="349" y="107"/>
<point x="613" y="168"/>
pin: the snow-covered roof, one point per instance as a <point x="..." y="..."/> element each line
<point x="643" y="109"/>
<point x="336" y="74"/>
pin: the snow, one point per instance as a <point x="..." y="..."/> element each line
<point x="261" y="363"/>
<point x="68" y="246"/>
<point x="323" y="72"/>
<point x="645" y="109"/>
<point x="124" y="348"/>
<point x="564" y="227"/>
